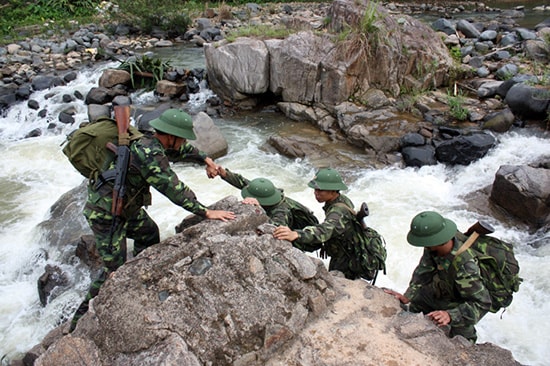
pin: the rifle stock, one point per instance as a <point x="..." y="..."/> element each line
<point x="122" y="117"/>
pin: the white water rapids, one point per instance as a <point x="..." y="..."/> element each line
<point x="34" y="173"/>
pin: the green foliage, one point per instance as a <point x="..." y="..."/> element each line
<point x="369" y="19"/>
<point x="456" y="106"/>
<point x="17" y="17"/>
<point x="145" y="72"/>
<point x="259" y="31"/>
<point x="456" y="54"/>
<point x="168" y="15"/>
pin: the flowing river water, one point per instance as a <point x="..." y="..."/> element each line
<point x="34" y="174"/>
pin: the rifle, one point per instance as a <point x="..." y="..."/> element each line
<point x="122" y="117"/>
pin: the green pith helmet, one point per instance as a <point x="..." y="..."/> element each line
<point x="429" y="229"/>
<point x="174" y="122"/>
<point x="263" y="190"/>
<point x="327" y="179"/>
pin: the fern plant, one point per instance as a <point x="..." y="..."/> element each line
<point x="145" y="72"/>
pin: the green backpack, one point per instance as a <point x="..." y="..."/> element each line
<point x="86" y="147"/>
<point x="499" y="268"/>
<point x="302" y="215"/>
<point x="371" y="250"/>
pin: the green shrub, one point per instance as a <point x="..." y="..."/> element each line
<point x="456" y="106"/>
<point x="145" y="72"/>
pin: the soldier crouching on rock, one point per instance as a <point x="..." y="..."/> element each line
<point x="454" y="298"/>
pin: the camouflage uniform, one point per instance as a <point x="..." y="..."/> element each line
<point x="439" y="284"/>
<point x="149" y="167"/>
<point x="287" y="212"/>
<point x="336" y="236"/>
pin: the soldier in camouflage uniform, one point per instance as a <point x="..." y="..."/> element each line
<point x="149" y="166"/>
<point x="281" y="210"/>
<point x="336" y="235"/>
<point x="454" y="297"/>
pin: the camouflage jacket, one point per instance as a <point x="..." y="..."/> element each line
<point x="186" y="152"/>
<point x="283" y="213"/>
<point x="460" y="291"/>
<point x="149" y="167"/>
<point x="336" y="235"/>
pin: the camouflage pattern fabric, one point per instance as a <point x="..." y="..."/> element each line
<point x="499" y="268"/>
<point x="235" y="179"/>
<point x="287" y="212"/>
<point x="149" y="167"/>
<point x="437" y="286"/>
<point x="186" y="152"/>
<point x="336" y="236"/>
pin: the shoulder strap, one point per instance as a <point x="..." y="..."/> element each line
<point x="467" y="244"/>
<point x="341" y="204"/>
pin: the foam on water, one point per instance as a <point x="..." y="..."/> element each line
<point x="34" y="174"/>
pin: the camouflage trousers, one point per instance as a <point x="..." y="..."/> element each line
<point x="110" y="241"/>
<point x="426" y="301"/>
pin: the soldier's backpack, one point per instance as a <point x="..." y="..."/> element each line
<point x="371" y="250"/>
<point x="302" y="215"/>
<point x="86" y="147"/>
<point x="499" y="268"/>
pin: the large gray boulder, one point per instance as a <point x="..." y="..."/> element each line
<point x="238" y="69"/>
<point x="228" y="293"/>
<point x="209" y="137"/>
<point x="309" y="68"/>
<point x="524" y="192"/>
<point x="528" y="101"/>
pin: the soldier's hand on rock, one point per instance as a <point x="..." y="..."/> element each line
<point x="220" y="215"/>
<point x="284" y="233"/>
<point x="440" y="317"/>
<point x="402" y="299"/>
<point x="251" y="201"/>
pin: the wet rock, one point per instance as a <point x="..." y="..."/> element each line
<point x="51" y="283"/>
<point x="500" y="121"/>
<point x="464" y="149"/>
<point x="418" y="156"/>
<point x="528" y="101"/>
<point x="524" y="192"/>
<point x="99" y="95"/>
<point x="42" y="82"/>
<point x="111" y="77"/>
<point x="33" y="104"/>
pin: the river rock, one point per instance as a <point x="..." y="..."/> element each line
<point x="524" y="192"/>
<point x="418" y="156"/>
<point x="53" y="282"/>
<point x="310" y="68"/>
<point x="111" y="77"/>
<point x="528" y="101"/>
<point x="228" y="293"/>
<point x="41" y="82"/>
<point x="249" y="60"/>
<point x="209" y="137"/>
<point x="99" y="95"/>
<point x="464" y="149"/>
<point x="500" y="121"/>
